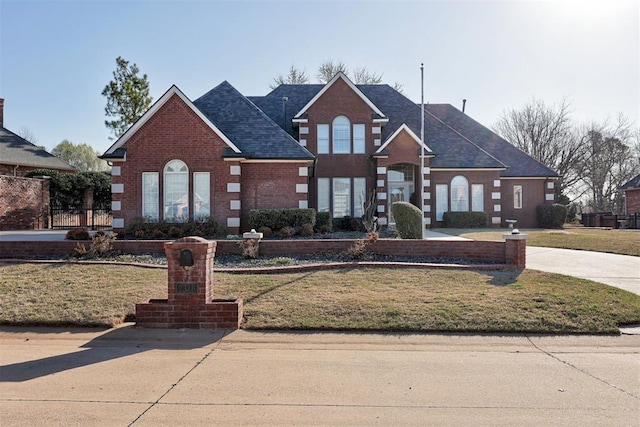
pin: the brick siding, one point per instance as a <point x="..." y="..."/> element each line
<point x="24" y="203"/>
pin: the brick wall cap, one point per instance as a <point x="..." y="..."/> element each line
<point x="515" y="236"/>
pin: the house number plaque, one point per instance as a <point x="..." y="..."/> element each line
<point x="186" y="288"/>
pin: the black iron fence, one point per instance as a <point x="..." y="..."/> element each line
<point x="608" y="219"/>
<point x="92" y="217"/>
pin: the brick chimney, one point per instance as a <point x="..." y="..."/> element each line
<point x="1" y="112"/>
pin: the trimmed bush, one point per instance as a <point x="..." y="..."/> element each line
<point x="78" y="233"/>
<point x="408" y="220"/>
<point x="465" y="219"/>
<point x="287" y="232"/>
<point x="324" y="222"/>
<point x="142" y="228"/>
<point x="348" y="223"/>
<point x="277" y="219"/>
<point x="266" y="232"/>
<point x="306" y="230"/>
<point x="551" y="216"/>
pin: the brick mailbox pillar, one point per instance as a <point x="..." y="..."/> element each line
<point x="516" y="249"/>
<point x="190" y="302"/>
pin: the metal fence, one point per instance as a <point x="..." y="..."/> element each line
<point x="93" y="217"/>
<point x="608" y="219"/>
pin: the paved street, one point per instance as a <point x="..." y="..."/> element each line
<point x="129" y="376"/>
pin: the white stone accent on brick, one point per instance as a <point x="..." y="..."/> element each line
<point x="550" y="185"/>
<point x="427" y="221"/>
<point x="549" y="197"/>
<point x="495" y="196"/>
<point x="303" y="204"/>
<point x="303" y="142"/>
<point x="302" y="188"/>
<point x="233" y="187"/>
<point x="497" y="208"/>
<point x="496" y="183"/>
<point x="427" y="183"/>
<point x="304" y="130"/>
<point x="117" y="223"/>
<point x="233" y="222"/>
<point x="427" y="208"/>
<point x="303" y="171"/>
<point x="376" y="129"/>
<point x="115" y="171"/>
<point x="377" y="142"/>
<point x="380" y="183"/>
<point x="381" y="170"/>
<point x="426" y="195"/>
<point x="116" y="205"/>
<point x="381" y="208"/>
<point x="235" y="170"/>
<point x="235" y="205"/>
<point x="382" y="196"/>
<point x="496" y="220"/>
<point x="117" y="188"/>
<point x="426" y="170"/>
<point x="382" y="221"/>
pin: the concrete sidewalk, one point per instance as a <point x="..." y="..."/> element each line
<point x="129" y="376"/>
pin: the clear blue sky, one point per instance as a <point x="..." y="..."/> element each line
<point x="57" y="56"/>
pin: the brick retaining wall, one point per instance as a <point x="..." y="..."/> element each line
<point x="510" y="252"/>
<point x="24" y="203"/>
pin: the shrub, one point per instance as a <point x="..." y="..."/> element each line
<point x="306" y="230"/>
<point x="266" y="231"/>
<point x="324" y="222"/>
<point x="102" y="243"/>
<point x="250" y="248"/>
<point x="145" y="228"/>
<point x="465" y="219"/>
<point x="408" y="220"/>
<point x="348" y="223"/>
<point x="175" y="232"/>
<point x="358" y="250"/>
<point x="78" y="233"/>
<point x="287" y="232"/>
<point x="551" y="216"/>
<point x="277" y="219"/>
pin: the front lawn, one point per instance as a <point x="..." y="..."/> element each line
<point x="392" y="299"/>
<point x="622" y="242"/>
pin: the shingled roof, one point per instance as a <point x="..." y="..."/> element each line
<point x="17" y="151"/>
<point x="633" y="183"/>
<point x="251" y="130"/>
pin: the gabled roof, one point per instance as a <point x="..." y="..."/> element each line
<point x="633" y="183"/>
<point x="17" y="151"/>
<point x="255" y="134"/>
<point x="340" y="76"/>
<point x="173" y="90"/>
<point x="520" y="164"/>
<point x="413" y="136"/>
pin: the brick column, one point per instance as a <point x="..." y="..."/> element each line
<point x="516" y="250"/>
<point x="190" y="282"/>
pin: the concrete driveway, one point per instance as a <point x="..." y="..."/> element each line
<point x="620" y="271"/>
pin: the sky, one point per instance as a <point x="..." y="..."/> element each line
<point x="56" y="56"/>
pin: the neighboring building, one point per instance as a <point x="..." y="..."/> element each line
<point x="317" y="146"/>
<point x="18" y="156"/>
<point x="632" y="195"/>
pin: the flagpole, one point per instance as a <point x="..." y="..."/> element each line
<point x="422" y="146"/>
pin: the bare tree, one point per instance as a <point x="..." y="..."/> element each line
<point x="26" y="134"/>
<point x="294" y="77"/>
<point x="399" y="87"/>
<point x="328" y="69"/>
<point x="362" y="76"/>
<point x="610" y="162"/>
<point x="548" y="135"/>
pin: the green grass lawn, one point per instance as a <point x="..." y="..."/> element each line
<point x="393" y="299"/>
<point x="623" y="242"/>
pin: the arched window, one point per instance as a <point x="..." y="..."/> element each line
<point x="341" y="135"/>
<point x="176" y="191"/>
<point x="459" y="194"/>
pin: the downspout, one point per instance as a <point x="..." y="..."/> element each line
<point x="15" y="170"/>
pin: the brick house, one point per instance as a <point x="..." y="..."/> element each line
<point x="318" y="146"/>
<point x="632" y="195"/>
<point x="24" y="202"/>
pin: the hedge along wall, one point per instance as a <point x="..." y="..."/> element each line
<point x="24" y="203"/>
<point x="511" y="252"/>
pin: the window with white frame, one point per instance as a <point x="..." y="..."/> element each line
<point x="176" y="191"/>
<point x="517" y="196"/>
<point x="201" y="195"/>
<point x="323" y="139"/>
<point x="477" y="197"/>
<point x="358" y="139"/>
<point x="341" y="135"/>
<point x="342" y="196"/>
<point x="150" y="194"/>
<point x="459" y="194"/>
<point x="442" y="200"/>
